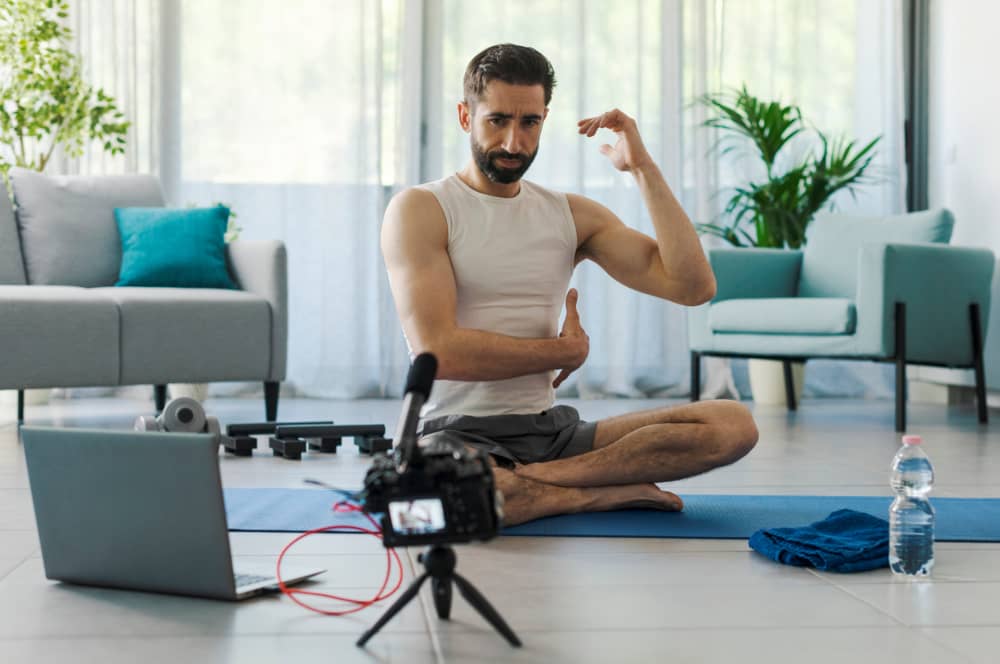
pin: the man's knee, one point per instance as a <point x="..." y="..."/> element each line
<point x="734" y="431"/>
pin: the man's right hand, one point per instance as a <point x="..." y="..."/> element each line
<point x="575" y="338"/>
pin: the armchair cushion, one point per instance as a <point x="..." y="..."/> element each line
<point x="783" y="315"/>
<point x="830" y="261"/>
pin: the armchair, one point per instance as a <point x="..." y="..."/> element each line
<point x="886" y="290"/>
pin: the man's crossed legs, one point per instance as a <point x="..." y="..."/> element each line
<point x="630" y="454"/>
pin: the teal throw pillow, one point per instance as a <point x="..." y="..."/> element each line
<point x="173" y="247"/>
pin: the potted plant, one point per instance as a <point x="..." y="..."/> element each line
<point x="775" y="209"/>
<point x="45" y="103"/>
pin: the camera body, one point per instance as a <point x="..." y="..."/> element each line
<point x="447" y="495"/>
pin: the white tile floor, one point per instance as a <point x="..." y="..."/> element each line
<point x="570" y="600"/>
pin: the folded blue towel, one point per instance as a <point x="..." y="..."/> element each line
<point x="845" y="541"/>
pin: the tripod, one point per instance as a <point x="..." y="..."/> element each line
<point x="439" y="561"/>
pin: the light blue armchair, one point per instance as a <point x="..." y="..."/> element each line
<point x="886" y="289"/>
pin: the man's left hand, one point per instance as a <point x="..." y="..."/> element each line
<point x="628" y="153"/>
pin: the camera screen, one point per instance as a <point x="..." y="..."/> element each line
<point x="417" y="517"/>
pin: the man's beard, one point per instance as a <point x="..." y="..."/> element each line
<point x="497" y="173"/>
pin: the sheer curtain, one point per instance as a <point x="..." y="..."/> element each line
<point x="306" y="117"/>
<point x="119" y="43"/>
<point x="841" y="61"/>
<point x="292" y="119"/>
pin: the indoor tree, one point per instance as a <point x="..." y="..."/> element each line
<point x="45" y="103"/>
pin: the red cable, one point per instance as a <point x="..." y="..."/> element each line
<point x="390" y="554"/>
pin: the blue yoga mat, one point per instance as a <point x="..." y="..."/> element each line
<point x="704" y="516"/>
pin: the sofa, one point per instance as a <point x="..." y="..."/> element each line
<point x="63" y="323"/>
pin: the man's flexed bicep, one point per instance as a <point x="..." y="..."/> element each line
<point x="415" y="248"/>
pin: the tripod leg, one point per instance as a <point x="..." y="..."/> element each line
<point x="441" y="589"/>
<point x="410" y="593"/>
<point x="486" y="610"/>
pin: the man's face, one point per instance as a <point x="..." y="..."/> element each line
<point x="504" y="127"/>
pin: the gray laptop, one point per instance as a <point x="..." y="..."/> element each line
<point x="137" y="510"/>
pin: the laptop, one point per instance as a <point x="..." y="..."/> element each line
<point x="138" y="510"/>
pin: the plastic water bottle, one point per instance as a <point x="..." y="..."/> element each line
<point x="911" y="517"/>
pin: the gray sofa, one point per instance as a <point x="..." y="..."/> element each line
<point x="64" y="324"/>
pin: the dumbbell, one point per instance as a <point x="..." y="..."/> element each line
<point x="180" y="415"/>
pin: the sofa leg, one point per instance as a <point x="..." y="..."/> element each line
<point x="160" y="397"/>
<point x="695" y="375"/>
<point x="786" y="366"/>
<point x="20" y="406"/>
<point x="900" y="366"/>
<point x="271" y="400"/>
<point x="977" y="362"/>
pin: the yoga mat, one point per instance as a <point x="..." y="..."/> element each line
<point x="704" y="516"/>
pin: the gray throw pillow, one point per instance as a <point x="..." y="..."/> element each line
<point x="68" y="232"/>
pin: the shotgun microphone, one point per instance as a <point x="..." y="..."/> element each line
<point x="419" y="381"/>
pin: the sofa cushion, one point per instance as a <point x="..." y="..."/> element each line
<point x="830" y="262"/>
<point x="173" y="248"/>
<point x="783" y="315"/>
<point x="191" y="335"/>
<point x="57" y="336"/>
<point x="11" y="265"/>
<point x="67" y="224"/>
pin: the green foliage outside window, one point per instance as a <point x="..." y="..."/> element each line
<point x="44" y="100"/>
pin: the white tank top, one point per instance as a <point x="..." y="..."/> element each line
<point x="513" y="259"/>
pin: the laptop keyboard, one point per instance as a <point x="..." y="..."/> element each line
<point x="248" y="579"/>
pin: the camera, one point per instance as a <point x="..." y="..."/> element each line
<point x="448" y="497"/>
<point x="439" y="493"/>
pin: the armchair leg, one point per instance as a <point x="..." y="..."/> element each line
<point x="786" y="366"/>
<point x="900" y="366"/>
<point x="160" y="397"/>
<point x="977" y="362"/>
<point x="695" y="375"/>
<point x="20" y="406"/>
<point x="271" y="400"/>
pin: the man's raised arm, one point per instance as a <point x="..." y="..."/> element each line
<point x="415" y="248"/>
<point x="673" y="266"/>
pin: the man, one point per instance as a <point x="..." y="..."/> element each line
<point x="479" y="265"/>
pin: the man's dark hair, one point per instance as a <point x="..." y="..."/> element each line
<point x="510" y="63"/>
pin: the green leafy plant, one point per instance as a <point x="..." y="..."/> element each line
<point x="44" y="100"/>
<point x="779" y="208"/>
<point x="232" y="230"/>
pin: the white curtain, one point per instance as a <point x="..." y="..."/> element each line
<point x="306" y="117"/>
<point x="290" y="116"/>
<point x="118" y="41"/>
<point x="841" y="61"/>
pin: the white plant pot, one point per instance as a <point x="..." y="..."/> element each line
<point x="196" y="391"/>
<point x="33" y="397"/>
<point x="767" y="381"/>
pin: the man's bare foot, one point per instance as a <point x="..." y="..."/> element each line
<point x="643" y="497"/>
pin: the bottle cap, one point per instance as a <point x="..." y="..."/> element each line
<point x="912" y="440"/>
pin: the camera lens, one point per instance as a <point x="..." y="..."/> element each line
<point x="185" y="415"/>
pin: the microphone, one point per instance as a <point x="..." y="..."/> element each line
<point x="418" y="389"/>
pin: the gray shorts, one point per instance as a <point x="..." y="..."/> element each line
<point x="556" y="433"/>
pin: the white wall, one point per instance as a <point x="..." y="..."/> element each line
<point x="964" y="140"/>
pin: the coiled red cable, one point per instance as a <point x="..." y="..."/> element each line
<point x="390" y="556"/>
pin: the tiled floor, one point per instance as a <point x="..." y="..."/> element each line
<point x="570" y="600"/>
